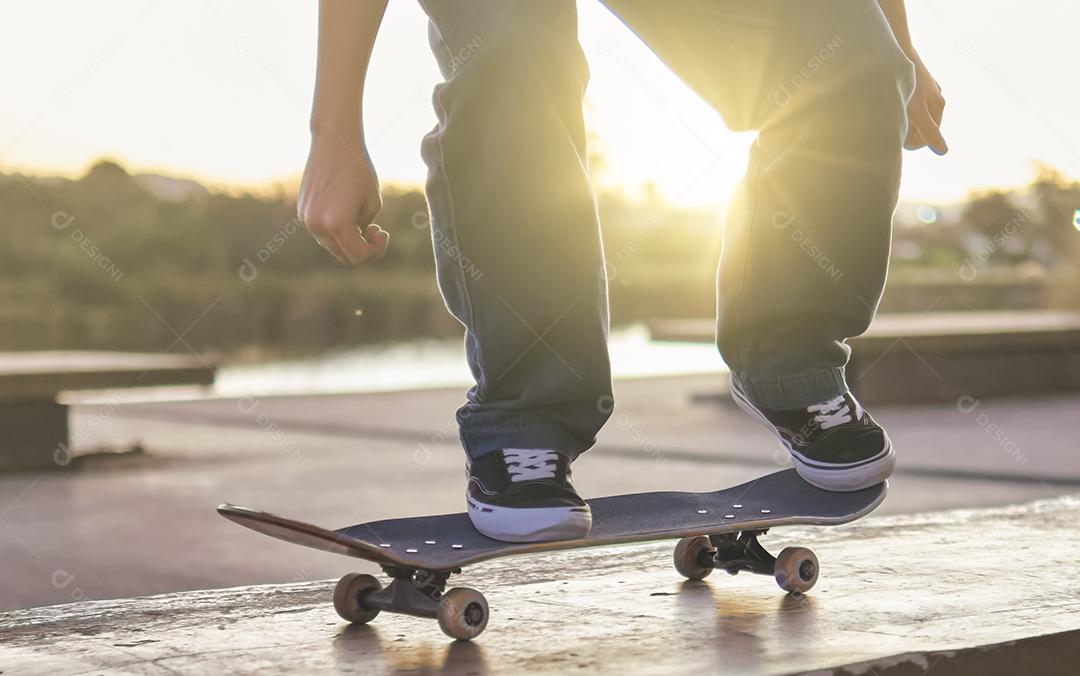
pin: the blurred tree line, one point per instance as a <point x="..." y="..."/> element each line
<point x="998" y="250"/>
<point x="149" y="263"/>
<point x="1030" y="231"/>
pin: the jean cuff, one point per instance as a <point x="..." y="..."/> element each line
<point x="796" y="391"/>
<point x="487" y="430"/>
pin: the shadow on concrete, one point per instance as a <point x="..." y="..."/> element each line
<point x="356" y="647"/>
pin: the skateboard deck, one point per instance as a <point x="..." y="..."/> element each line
<point x="718" y="530"/>
<point x="449" y="541"/>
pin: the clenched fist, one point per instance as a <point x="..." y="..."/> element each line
<point x="339" y="198"/>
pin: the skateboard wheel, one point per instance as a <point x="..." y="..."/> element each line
<point x="796" y="569"/>
<point x="689" y="554"/>
<point x="462" y="613"/>
<point x="349" y="597"/>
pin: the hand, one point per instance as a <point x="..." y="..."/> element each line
<point x="338" y="199"/>
<point x="924" y="112"/>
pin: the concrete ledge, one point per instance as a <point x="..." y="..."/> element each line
<point x="961" y="590"/>
<point x="35" y="435"/>
<point x="35" y="423"/>
<point x="941" y="356"/>
<point x="37" y="376"/>
<point x="1052" y="654"/>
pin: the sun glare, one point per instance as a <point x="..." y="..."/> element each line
<point x="223" y="96"/>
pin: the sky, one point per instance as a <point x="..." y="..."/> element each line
<point x="220" y="90"/>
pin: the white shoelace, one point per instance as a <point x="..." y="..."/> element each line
<point x="524" y="465"/>
<point x="833" y="412"/>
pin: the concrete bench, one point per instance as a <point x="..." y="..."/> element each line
<point x="35" y="422"/>
<point x="971" y="591"/>
<point x="943" y="356"/>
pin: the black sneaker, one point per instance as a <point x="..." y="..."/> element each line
<point x="835" y="445"/>
<point x="525" y="496"/>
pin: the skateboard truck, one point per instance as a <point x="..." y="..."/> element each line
<point x="795" y="569"/>
<point x="462" y="612"/>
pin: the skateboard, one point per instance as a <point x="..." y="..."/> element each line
<point x="716" y="531"/>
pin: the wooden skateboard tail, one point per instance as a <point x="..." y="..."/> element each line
<point x="298" y="532"/>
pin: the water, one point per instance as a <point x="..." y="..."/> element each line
<point x="431" y="363"/>
<point x="411" y="365"/>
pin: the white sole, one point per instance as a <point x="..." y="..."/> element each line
<point x="838" y="478"/>
<point x="532" y="524"/>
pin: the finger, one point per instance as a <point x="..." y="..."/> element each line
<point x="914" y="139"/>
<point x="378" y="239"/>
<point x="330" y="246"/>
<point x="936" y="108"/>
<point x="930" y="132"/>
<point x="320" y="232"/>
<point x="352" y="244"/>
<point x="936" y="140"/>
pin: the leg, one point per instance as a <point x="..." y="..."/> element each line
<point x="807" y="240"/>
<point x="514" y="222"/>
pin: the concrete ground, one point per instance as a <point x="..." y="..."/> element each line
<point x="127" y="525"/>
<point x="984" y="591"/>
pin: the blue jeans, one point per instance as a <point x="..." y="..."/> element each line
<point x="518" y="251"/>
